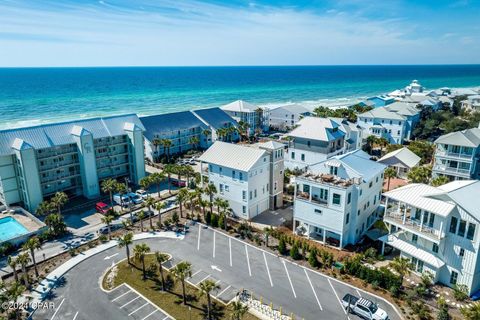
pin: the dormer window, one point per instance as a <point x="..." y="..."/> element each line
<point x="333" y="170"/>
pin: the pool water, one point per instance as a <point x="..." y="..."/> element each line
<point x="10" y="228"/>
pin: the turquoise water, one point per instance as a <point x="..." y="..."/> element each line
<point x="10" y="228"/>
<point x="31" y="96"/>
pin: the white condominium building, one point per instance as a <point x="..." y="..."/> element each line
<point x="257" y="118"/>
<point x="336" y="200"/>
<point x="286" y="117"/>
<point x="250" y="178"/>
<point x="437" y="229"/>
<point x="73" y="157"/>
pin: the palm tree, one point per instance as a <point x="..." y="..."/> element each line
<point x="210" y="190"/>
<point x="206" y="287"/>
<point x="382" y="142"/>
<point x="157" y="178"/>
<point x="420" y="174"/>
<point x="267" y="232"/>
<point x="194" y="142"/>
<point x="160" y="206"/>
<point x="109" y="186"/>
<point x="182" y="271"/>
<point x="371" y="140"/>
<point x="207" y="133"/>
<point x="188" y="172"/>
<point x="150" y="202"/>
<point x="182" y="196"/>
<point x="168" y="170"/>
<point x="192" y="196"/>
<point x="14" y="292"/>
<point x="224" y="204"/>
<point x="24" y="260"/>
<point x="218" y="203"/>
<point x="389" y="174"/>
<point x="161" y="258"/>
<point x="31" y="245"/>
<point x="221" y="133"/>
<point x="59" y="200"/>
<point x="141" y="216"/>
<point x="139" y="252"/>
<point x="145" y="183"/>
<point x="238" y="310"/>
<point x="439" y="181"/>
<point x="13" y="263"/>
<point x="108" y="221"/>
<point x="156" y="142"/>
<point x="44" y="208"/>
<point x="401" y="266"/>
<point x="126" y="241"/>
<point x="121" y="189"/>
<point x="167" y="144"/>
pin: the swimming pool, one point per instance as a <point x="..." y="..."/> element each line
<point x="10" y="228"/>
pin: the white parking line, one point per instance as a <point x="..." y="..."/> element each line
<point x="230" y="247"/>
<point x="193" y="275"/>
<point x="268" y="270"/>
<point x="358" y="292"/>
<point x="223" y="291"/>
<point x="126" y="304"/>
<point x="289" y="280"/>
<point x="137" y="309"/>
<point x="121" y="295"/>
<point x="214" y="244"/>
<point x="75" y="317"/>
<point x="311" y="286"/>
<point x="59" y="306"/>
<point x="165" y="318"/>
<point x="198" y="243"/>
<point x="248" y="262"/>
<point x="203" y="279"/>
<point x="150" y="314"/>
<point x="339" y="301"/>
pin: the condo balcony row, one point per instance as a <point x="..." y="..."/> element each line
<point x="416" y="220"/>
<point x="455" y="152"/>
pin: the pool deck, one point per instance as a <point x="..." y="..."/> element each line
<point x="31" y="224"/>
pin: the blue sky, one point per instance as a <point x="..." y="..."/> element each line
<point x="185" y="32"/>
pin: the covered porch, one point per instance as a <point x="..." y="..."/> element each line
<point x="318" y="233"/>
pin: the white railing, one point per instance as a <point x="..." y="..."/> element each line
<point x="267" y="311"/>
<point x="451" y="170"/>
<point x="414" y="224"/>
<point x="444" y="153"/>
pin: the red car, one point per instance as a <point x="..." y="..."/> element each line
<point x="178" y="183"/>
<point x="102" y="207"/>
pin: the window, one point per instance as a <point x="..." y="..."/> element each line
<point x="220" y="170"/>
<point x="267" y="187"/>
<point x="255" y="193"/>
<point x="275" y="185"/>
<point x="233" y="174"/>
<point x="453" y="225"/>
<point x="347" y="219"/>
<point x="227" y="188"/>
<point x="292" y="155"/>
<point x="333" y="170"/>
<point x="471" y="231"/>
<point x="435" y="248"/>
<point x="244" y="195"/>
<point x="453" y="277"/>
<point x="374" y="199"/>
<point x="244" y="209"/>
<point x="349" y="197"/>
<point x="221" y="188"/>
<point x="309" y="143"/>
<point x="358" y="212"/>
<point x="398" y="132"/>
<point x="336" y="198"/>
<point x="318" y="211"/>
<point x="376" y="180"/>
<point x="240" y="175"/>
<point x="414" y="238"/>
<point x="361" y="191"/>
<point x="302" y="157"/>
<point x="370" y="184"/>
<point x="462" y="252"/>
<point x="461" y="228"/>
<point x="251" y="193"/>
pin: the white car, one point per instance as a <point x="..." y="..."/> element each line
<point x="142" y="193"/>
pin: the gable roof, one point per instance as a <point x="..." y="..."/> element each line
<point x="56" y="134"/>
<point x="215" y="117"/>
<point x="293" y="108"/>
<point x="403" y="108"/>
<point x="271" y="145"/>
<point x="403" y="155"/>
<point x="463" y="194"/>
<point x="233" y="156"/>
<point x="382" y="113"/>
<point x="169" y="122"/>
<point x="239" y="106"/>
<point x="466" y="138"/>
<point x="316" y="128"/>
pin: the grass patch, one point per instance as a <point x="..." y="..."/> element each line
<point x="170" y="300"/>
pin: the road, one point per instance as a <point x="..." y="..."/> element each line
<point x="230" y="262"/>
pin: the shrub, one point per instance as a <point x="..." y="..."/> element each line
<point x="103" y="238"/>
<point x="442" y="309"/>
<point x="282" y="246"/>
<point x="221" y="222"/>
<point x="214" y="220"/>
<point x="460" y="292"/>
<point x="208" y="217"/>
<point x="294" y="253"/>
<point x="312" y="258"/>
<point x="394" y="291"/>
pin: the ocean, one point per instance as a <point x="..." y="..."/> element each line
<point x="31" y="96"/>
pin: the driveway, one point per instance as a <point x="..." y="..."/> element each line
<point x="275" y="218"/>
<point x="233" y="264"/>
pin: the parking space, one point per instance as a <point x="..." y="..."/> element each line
<point x="135" y="306"/>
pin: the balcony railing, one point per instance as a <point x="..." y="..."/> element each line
<point x="451" y="170"/>
<point x="444" y="153"/>
<point x="410" y="224"/>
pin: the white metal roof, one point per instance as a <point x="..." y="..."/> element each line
<point x="417" y="195"/>
<point x="465" y="138"/>
<point x="382" y="113"/>
<point x="293" y="108"/>
<point x="316" y="128"/>
<point x="466" y="195"/>
<point x="272" y="145"/>
<point x="403" y="155"/>
<point x="233" y="156"/>
<point x="396" y="241"/>
<point x="239" y="106"/>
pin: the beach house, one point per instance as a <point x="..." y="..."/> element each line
<point x="257" y="118"/>
<point x="249" y="177"/>
<point x="73" y="157"/>
<point x="380" y="101"/>
<point x="472" y="103"/>
<point x="336" y="200"/>
<point x="457" y="155"/>
<point x="436" y="229"/>
<point x="402" y="160"/>
<point x="286" y="117"/>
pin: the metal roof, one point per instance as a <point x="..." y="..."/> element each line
<point x="466" y="196"/>
<point x="162" y="123"/>
<point x="233" y="156"/>
<point x="56" y="134"/>
<point x="316" y="128"/>
<point x="419" y="196"/>
<point x="293" y="108"/>
<point x="465" y="138"/>
<point x="382" y="113"/>
<point x="239" y="106"/>
<point x="403" y="155"/>
<point x="271" y="145"/>
<point x="402" y="108"/>
<point x="398" y="241"/>
<point x="215" y="117"/>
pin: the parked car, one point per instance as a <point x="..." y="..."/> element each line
<point x="113" y="227"/>
<point x="142" y="193"/>
<point x="178" y="183"/>
<point x="135" y="198"/>
<point x="124" y="200"/>
<point x="363" y="308"/>
<point x="102" y="207"/>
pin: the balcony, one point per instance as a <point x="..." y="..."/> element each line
<point x="305" y="196"/>
<point x="448" y="154"/>
<point x="451" y="170"/>
<point x="414" y="225"/>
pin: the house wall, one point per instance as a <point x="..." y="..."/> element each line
<point x="9" y="189"/>
<point x="395" y="131"/>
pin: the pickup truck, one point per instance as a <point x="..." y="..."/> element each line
<point x="363" y="308"/>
